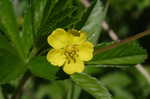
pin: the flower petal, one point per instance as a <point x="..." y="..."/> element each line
<point x="85" y="51"/>
<point x="78" y="37"/>
<point x="59" y="38"/>
<point x="56" y="57"/>
<point x="73" y="67"/>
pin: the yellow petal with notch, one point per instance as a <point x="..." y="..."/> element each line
<point x="73" y="67"/>
<point x="59" y="38"/>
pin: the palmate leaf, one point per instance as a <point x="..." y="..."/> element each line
<point x="91" y="85"/>
<point x="129" y="53"/>
<point x="40" y="67"/>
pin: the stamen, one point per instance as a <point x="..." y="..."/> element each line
<point x="71" y="53"/>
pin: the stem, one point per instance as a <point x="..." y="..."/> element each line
<point x="111" y="33"/>
<point x="86" y="3"/>
<point x="19" y="89"/>
<point x="132" y="38"/>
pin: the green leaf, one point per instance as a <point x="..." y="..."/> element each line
<point x="1" y="94"/>
<point x="6" y="45"/>
<point x="11" y="66"/>
<point x="117" y="83"/>
<point x="91" y="85"/>
<point x="2" y="29"/>
<point x="70" y="13"/>
<point x="129" y="53"/>
<point x="55" y="90"/>
<point x="93" y="23"/>
<point x="142" y="83"/>
<point x="27" y="34"/>
<point x="38" y="7"/>
<point x="93" y="69"/>
<point x="58" y="89"/>
<point x="122" y="94"/>
<point x="41" y="68"/>
<point x="8" y="20"/>
<point x="116" y="80"/>
<point x="76" y="92"/>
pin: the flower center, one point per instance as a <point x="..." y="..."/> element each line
<point x="71" y="53"/>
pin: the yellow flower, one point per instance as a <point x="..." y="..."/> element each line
<point x="70" y="50"/>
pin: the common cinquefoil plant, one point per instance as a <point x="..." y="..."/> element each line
<point x="56" y="49"/>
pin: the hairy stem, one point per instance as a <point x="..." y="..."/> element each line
<point x="132" y="38"/>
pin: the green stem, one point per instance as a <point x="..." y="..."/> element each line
<point x="18" y="92"/>
<point x="132" y="38"/>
